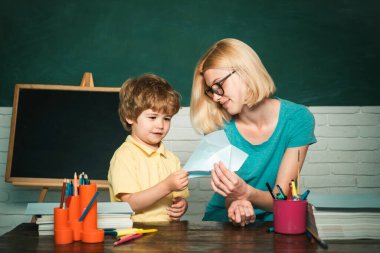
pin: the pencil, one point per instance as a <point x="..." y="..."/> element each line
<point x="127" y="239"/>
<point x="63" y="192"/>
<point x="298" y="176"/>
<point x="290" y="195"/>
<point x="88" y="206"/>
<point x="75" y="184"/>
<point x="85" y="179"/>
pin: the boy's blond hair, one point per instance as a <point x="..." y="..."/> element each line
<point x="232" y="54"/>
<point x="148" y="91"/>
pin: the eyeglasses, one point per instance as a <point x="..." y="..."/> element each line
<point x="216" y="88"/>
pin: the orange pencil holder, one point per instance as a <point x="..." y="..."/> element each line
<point x="90" y="232"/>
<point x="289" y="216"/>
<point x="62" y="231"/>
<point x="74" y="214"/>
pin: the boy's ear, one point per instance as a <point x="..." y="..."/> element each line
<point x="129" y="121"/>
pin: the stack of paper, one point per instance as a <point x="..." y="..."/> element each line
<point x="115" y="215"/>
<point x="345" y="216"/>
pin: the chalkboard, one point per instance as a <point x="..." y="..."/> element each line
<point x="319" y="53"/>
<point x="58" y="130"/>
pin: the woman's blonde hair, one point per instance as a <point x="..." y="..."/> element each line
<point x="148" y="91"/>
<point x="206" y="115"/>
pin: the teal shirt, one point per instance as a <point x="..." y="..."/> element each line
<point x="295" y="128"/>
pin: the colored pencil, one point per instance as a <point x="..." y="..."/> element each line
<point x="63" y="191"/>
<point x="88" y="206"/>
<point x="127" y="238"/>
<point x="75" y="182"/>
<point x="298" y="176"/>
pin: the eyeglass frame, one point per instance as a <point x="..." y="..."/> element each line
<point x="219" y="85"/>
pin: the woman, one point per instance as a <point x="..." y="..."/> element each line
<point x="233" y="90"/>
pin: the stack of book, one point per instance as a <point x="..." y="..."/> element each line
<point x="116" y="215"/>
<point x="344" y="216"/>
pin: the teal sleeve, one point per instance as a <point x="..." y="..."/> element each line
<point x="302" y="126"/>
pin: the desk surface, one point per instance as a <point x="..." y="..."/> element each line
<point x="184" y="237"/>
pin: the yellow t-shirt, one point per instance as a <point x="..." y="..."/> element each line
<point x="135" y="167"/>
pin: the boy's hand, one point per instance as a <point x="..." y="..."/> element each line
<point x="177" y="209"/>
<point x="177" y="181"/>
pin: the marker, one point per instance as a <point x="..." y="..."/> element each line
<point x="110" y="231"/>
<point x="81" y="178"/>
<point x="145" y="231"/>
<point x="124" y="232"/>
<point x="294" y="190"/>
<point x="280" y="196"/>
<point x="270" y="190"/>
<point x="322" y="243"/>
<point x="305" y="194"/>
<point x="88" y="206"/>
<point x="86" y="181"/>
<point x="127" y="239"/>
<point x="281" y="192"/>
<point x="128" y="231"/>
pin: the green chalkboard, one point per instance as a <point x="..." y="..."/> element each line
<point x="318" y="52"/>
<point x="59" y="130"/>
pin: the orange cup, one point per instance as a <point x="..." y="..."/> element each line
<point x="74" y="214"/>
<point x="62" y="231"/>
<point x="90" y="232"/>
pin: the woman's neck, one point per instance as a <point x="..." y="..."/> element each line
<point x="258" y="123"/>
<point x="263" y="113"/>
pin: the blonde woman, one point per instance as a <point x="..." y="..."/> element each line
<point x="233" y="91"/>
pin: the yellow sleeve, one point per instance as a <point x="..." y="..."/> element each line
<point x="122" y="173"/>
<point x="183" y="194"/>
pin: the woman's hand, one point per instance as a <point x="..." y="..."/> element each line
<point x="241" y="212"/>
<point x="177" y="209"/>
<point x="227" y="183"/>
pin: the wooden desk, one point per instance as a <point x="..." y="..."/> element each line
<point x="184" y="237"/>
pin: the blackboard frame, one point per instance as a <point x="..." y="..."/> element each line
<point x="39" y="181"/>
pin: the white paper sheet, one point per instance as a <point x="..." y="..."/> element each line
<point x="213" y="148"/>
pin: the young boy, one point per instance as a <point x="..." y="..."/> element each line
<point x="142" y="171"/>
